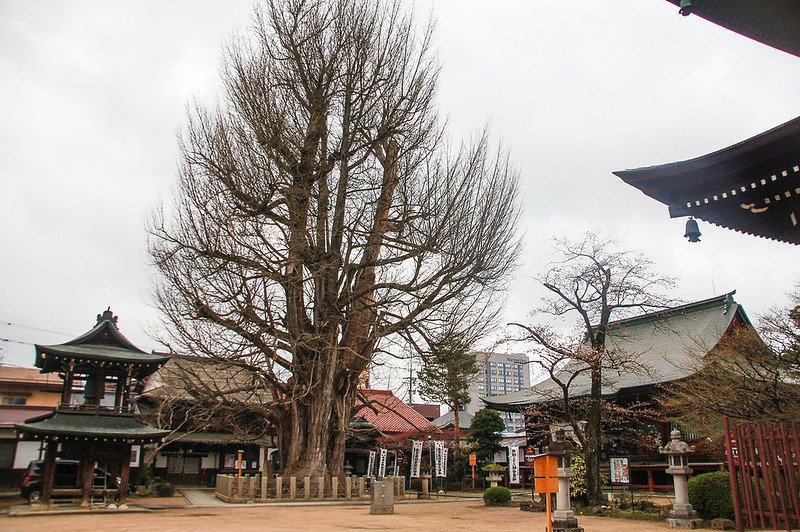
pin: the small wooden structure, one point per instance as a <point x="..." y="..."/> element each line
<point x="98" y="425"/>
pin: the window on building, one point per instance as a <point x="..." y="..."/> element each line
<point x="11" y="400"/>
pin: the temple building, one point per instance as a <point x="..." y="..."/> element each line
<point x="662" y="347"/>
<point x="102" y="372"/>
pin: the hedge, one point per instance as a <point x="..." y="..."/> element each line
<point x="710" y="495"/>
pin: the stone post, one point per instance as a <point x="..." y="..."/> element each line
<point x="360" y="487"/>
<point x="426" y="492"/>
<point x="382" y="498"/>
<point x="564" y="519"/>
<point x="334" y="487"/>
<point x="402" y="486"/>
<point x="321" y="488"/>
<point x="292" y="487"/>
<point x="348" y="487"/>
<point x="307" y="488"/>
<point x="278" y="488"/>
<point x="682" y="515"/>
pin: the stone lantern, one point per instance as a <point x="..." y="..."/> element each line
<point x="677" y="451"/>
<point x="564" y="519"/>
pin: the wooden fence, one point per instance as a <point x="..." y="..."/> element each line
<point x="763" y="465"/>
<point x="232" y="488"/>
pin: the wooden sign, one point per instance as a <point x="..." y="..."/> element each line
<point x="473" y="459"/>
<point x="545" y="474"/>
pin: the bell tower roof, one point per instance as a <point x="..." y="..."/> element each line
<point x="102" y="345"/>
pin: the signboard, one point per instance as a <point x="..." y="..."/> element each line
<point x="620" y="472"/>
<point x="530" y="453"/>
<point x="371" y="464"/>
<point x="473" y="459"/>
<point x="513" y="465"/>
<point x="382" y="464"/>
<point x="545" y="474"/>
<point x="416" y="458"/>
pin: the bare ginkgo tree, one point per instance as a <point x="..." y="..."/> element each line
<point x="598" y="282"/>
<point x="320" y="211"/>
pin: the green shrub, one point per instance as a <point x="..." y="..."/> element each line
<point x="497" y="496"/>
<point x="710" y="495"/>
<point x="160" y="488"/>
<point x="164" y="489"/>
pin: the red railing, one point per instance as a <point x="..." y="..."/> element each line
<point x="763" y="465"/>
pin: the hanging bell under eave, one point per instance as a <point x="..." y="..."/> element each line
<point x="692" y="230"/>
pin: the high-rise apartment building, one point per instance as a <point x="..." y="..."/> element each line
<point x="500" y="373"/>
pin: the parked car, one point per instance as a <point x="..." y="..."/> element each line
<point x="65" y="477"/>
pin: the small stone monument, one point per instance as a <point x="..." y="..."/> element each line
<point x="677" y="451"/>
<point x="382" y="498"/>
<point x="564" y="519"/>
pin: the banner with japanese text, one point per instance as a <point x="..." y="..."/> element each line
<point x="513" y="465"/>
<point x="416" y="458"/>
<point x="382" y="464"/>
<point x="439" y="460"/>
<point x="371" y="464"/>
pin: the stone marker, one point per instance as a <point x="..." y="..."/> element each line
<point x="278" y="487"/>
<point x="382" y="498"/>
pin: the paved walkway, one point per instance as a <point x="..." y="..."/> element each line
<point x="199" y="498"/>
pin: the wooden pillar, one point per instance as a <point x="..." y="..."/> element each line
<point x="118" y="393"/>
<point x="66" y="393"/>
<point x="651" y="485"/>
<point x="125" y="473"/>
<point x="86" y="479"/>
<point x="49" y="471"/>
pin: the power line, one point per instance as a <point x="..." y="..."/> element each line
<point x="12" y="324"/>
<point x="15" y="341"/>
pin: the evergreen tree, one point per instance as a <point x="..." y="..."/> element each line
<point x="485" y="433"/>
<point x="447" y="372"/>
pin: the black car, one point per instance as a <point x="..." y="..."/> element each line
<point x="65" y="477"/>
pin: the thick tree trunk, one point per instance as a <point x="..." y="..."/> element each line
<point x="316" y="425"/>
<point x="594" y="442"/>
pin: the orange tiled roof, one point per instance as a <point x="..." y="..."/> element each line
<point x="389" y="414"/>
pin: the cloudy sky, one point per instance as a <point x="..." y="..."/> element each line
<point x="94" y="92"/>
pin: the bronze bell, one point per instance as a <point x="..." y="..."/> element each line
<point x="692" y="230"/>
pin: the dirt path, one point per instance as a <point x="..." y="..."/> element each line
<point x="437" y="517"/>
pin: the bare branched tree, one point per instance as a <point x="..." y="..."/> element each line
<point x="598" y="282"/>
<point x="319" y="212"/>
<point x="746" y="376"/>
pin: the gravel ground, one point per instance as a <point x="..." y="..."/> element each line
<point x="427" y="516"/>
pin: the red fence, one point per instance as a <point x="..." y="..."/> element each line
<point x="763" y="464"/>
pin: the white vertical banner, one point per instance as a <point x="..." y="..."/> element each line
<point x="513" y="465"/>
<point x="444" y="461"/>
<point x="371" y="464"/>
<point x="416" y="458"/>
<point x="438" y="454"/>
<point x="382" y="464"/>
<point x="396" y="466"/>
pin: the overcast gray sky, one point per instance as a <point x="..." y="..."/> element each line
<point x="93" y="93"/>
